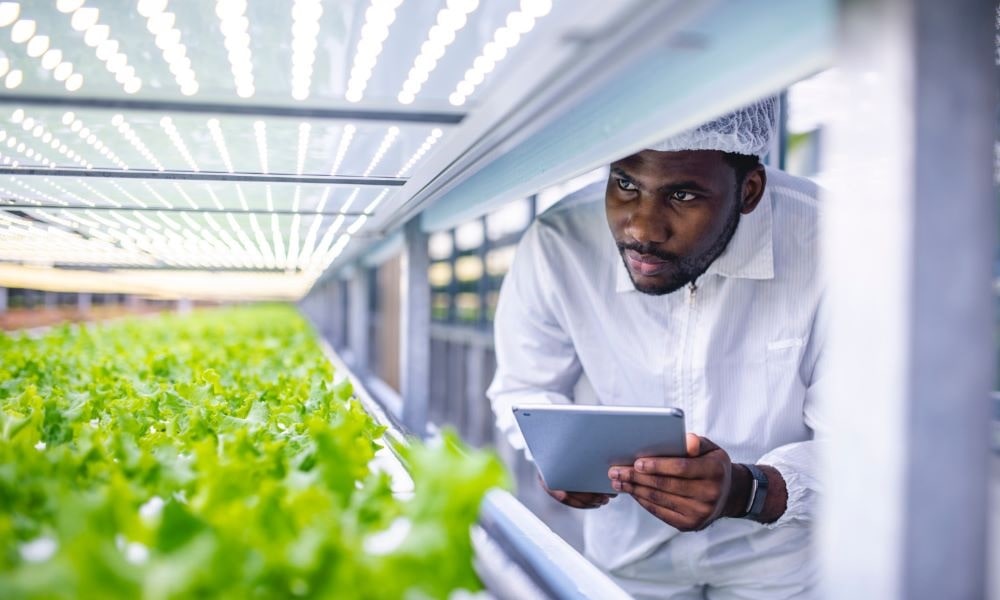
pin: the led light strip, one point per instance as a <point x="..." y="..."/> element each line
<point x="423" y="149"/>
<point x="234" y="26"/>
<point x="24" y="31"/>
<point x="449" y="21"/>
<point x="345" y="141"/>
<point x="129" y="134"/>
<point x="166" y="203"/>
<point x="23" y="149"/>
<point x="76" y="125"/>
<point x="303" y="146"/>
<point x="168" y="39"/>
<point x="387" y="142"/>
<point x="220" y="143"/>
<point x="305" y="28"/>
<point x="167" y="124"/>
<point x="97" y="36"/>
<point x="67" y="193"/>
<point x="518" y="23"/>
<point x="378" y="17"/>
<point x="260" y="133"/>
<point x="125" y="193"/>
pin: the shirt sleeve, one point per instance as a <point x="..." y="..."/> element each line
<point x="799" y="462"/>
<point x="536" y="361"/>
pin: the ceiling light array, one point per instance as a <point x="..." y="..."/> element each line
<point x="161" y="24"/>
<point x="87" y="20"/>
<point x="518" y="23"/>
<point x="432" y="139"/>
<point x="449" y="21"/>
<point x="23" y="149"/>
<point x="235" y="26"/>
<point x="215" y="130"/>
<point x="129" y="134"/>
<point x="70" y="120"/>
<point x="345" y="142"/>
<point x="24" y="31"/>
<point x="378" y="18"/>
<point x="167" y="124"/>
<point x="305" y="28"/>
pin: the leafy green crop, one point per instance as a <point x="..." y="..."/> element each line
<point x="213" y="455"/>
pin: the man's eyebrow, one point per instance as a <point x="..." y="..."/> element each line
<point x="689" y="185"/>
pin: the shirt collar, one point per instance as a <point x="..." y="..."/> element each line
<point x="749" y="255"/>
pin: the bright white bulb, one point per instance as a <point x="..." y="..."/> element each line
<point x="133" y="85"/>
<point x="405" y="98"/>
<point x="494" y="51"/>
<point x="373" y="31"/>
<point x="381" y="15"/>
<point x="366" y="46"/>
<point x="189" y="88"/>
<point x="4" y="65"/>
<point x="160" y="23"/>
<point x="38" y="46"/>
<point x="117" y="62"/>
<point x="353" y="95"/>
<point x="306" y="11"/>
<point x="300" y="93"/>
<point x="425" y="63"/>
<point x="361" y="73"/>
<point x="117" y="120"/>
<point x="149" y="8"/>
<point x="245" y="91"/>
<point x="465" y="88"/>
<point x="22" y="31"/>
<point x="27" y="124"/>
<point x="441" y="36"/>
<point x="483" y="64"/>
<point x="506" y="37"/>
<point x="74" y="82"/>
<point x="69" y="117"/>
<point x="418" y="75"/>
<point x="436" y="133"/>
<point x="305" y="29"/>
<point x="411" y="87"/>
<point x="520" y="22"/>
<point x="46" y="137"/>
<point x="51" y="59"/>
<point x="451" y="19"/>
<point x="9" y="11"/>
<point x="75" y="126"/>
<point x="463" y="6"/>
<point x="536" y="8"/>
<point x="13" y="79"/>
<point x="63" y="71"/>
<point x="96" y="35"/>
<point x="91" y="139"/>
<point x="474" y="76"/>
<point x="37" y="131"/>
<point x="456" y="99"/>
<point x="68" y="6"/>
<point x="84" y="18"/>
<point x="168" y="39"/>
<point x="432" y="50"/>
<point x="174" y="53"/>
<point x="106" y="49"/>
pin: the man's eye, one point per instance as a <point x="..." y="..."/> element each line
<point x="683" y="196"/>
<point x="626" y="185"/>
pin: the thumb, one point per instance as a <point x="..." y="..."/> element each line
<point x="699" y="446"/>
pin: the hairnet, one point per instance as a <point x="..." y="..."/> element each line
<point x="747" y="130"/>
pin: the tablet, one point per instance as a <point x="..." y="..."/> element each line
<point x="573" y="446"/>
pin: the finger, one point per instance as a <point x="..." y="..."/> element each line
<point x="699" y="446"/>
<point x="671" y="517"/>
<point x="685" y="506"/>
<point x="689" y="488"/>
<point x="686" y="468"/>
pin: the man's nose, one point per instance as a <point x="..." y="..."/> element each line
<point x="647" y="225"/>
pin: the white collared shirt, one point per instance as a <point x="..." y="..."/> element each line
<point x="740" y="354"/>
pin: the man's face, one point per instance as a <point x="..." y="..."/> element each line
<point x="673" y="213"/>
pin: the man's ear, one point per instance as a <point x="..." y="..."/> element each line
<point x="753" y="189"/>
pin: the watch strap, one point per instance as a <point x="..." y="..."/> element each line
<point x="758" y="492"/>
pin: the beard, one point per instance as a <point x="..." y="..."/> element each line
<point x="681" y="270"/>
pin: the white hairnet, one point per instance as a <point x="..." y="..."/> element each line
<point x="745" y="131"/>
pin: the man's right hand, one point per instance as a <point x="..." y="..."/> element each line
<point x="578" y="499"/>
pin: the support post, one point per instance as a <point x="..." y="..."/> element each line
<point x="358" y="329"/>
<point x="3" y="300"/>
<point x="83" y="301"/>
<point x="50" y="300"/>
<point x="415" y="324"/>
<point x="909" y="234"/>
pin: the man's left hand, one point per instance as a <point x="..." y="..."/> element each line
<point x="690" y="492"/>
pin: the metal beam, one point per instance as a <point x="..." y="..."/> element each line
<point x="277" y="211"/>
<point x="242" y="109"/>
<point x="908" y="243"/>
<point x="415" y="325"/>
<point x="175" y="175"/>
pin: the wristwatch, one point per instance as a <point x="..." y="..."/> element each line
<point x="758" y="492"/>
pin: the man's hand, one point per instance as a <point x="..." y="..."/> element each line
<point x="687" y="493"/>
<point x="578" y="499"/>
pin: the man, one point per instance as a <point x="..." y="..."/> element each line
<point x="694" y="285"/>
